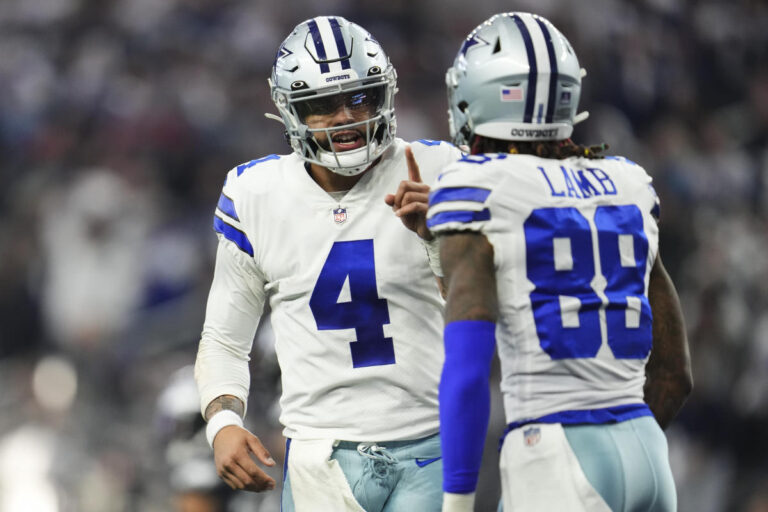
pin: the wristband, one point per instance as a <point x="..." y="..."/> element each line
<point x="220" y="420"/>
<point x="453" y="502"/>
<point x="433" y="253"/>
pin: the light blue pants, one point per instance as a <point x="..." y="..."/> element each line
<point x="627" y="463"/>
<point x="388" y="476"/>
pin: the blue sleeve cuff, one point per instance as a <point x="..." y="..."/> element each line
<point x="465" y="401"/>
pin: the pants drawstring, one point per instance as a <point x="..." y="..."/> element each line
<point x="380" y="461"/>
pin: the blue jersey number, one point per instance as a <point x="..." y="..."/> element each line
<point x="366" y="312"/>
<point x="561" y="264"/>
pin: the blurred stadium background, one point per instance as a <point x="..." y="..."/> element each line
<point x="120" y="118"/>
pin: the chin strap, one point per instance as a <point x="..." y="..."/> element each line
<point x="581" y="116"/>
<point x="332" y="159"/>
<point x="274" y="117"/>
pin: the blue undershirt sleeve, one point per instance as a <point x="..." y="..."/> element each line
<point x="465" y="401"/>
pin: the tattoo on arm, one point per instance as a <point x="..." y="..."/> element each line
<point x="668" y="373"/>
<point x="224" y="402"/>
<point x="470" y="277"/>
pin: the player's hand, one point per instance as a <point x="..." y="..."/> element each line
<point x="234" y="449"/>
<point x="411" y="200"/>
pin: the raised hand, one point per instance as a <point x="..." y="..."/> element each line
<point x="411" y="200"/>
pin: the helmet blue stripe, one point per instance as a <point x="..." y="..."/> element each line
<point x="552" y="70"/>
<point x="319" y="46"/>
<point x="339" y="42"/>
<point x="533" y="72"/>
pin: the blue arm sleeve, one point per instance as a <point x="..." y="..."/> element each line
<point x="465" y="401"/>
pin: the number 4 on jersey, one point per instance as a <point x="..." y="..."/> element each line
<point x="366" y="312"/>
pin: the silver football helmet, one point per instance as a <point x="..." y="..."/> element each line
<point x="516" y="77"/>
<point x="325" y="64"/>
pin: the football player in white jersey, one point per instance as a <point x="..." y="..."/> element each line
<point x="551" y="253"/>
<point x="356" y="309"/>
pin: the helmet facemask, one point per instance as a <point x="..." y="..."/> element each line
<point x="344" y="128"/>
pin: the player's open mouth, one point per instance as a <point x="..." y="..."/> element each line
<point x="347" y="139"/>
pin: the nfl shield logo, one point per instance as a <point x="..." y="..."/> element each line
<point x="340" y="215"/>
<point x="531" y="436"/>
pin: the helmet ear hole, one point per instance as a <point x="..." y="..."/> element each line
<point x="374" y="70"/>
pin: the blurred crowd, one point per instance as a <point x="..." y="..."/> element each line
<point x="120" y="118"/>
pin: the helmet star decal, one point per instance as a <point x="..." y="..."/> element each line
<point x="470" y="42"/>
<point x="283" y="52"/>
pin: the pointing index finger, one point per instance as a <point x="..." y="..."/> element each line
<point x="413" y="167"/>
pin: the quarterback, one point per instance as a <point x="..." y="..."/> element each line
<point x="551" y="257"/>
<point x="356" y="306"/>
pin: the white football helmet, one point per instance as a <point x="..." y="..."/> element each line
<point x="516" y="77"/>
<point x="328" y="62"/>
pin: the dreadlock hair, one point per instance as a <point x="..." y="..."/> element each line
<point x="555" y="149"/>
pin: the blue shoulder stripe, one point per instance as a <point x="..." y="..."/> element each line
<point x="620" y="159"/>
<point x="233" y="234"/>
<point x="464" y="216"/>
<point x="429" y="142"/>
<point x="475" y="194"/>
<point x="248" y="165"/>
<point x="227" y="206"/>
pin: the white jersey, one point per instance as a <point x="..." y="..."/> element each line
<point x="356" y="310"/>
<point x="574" y="242"/>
